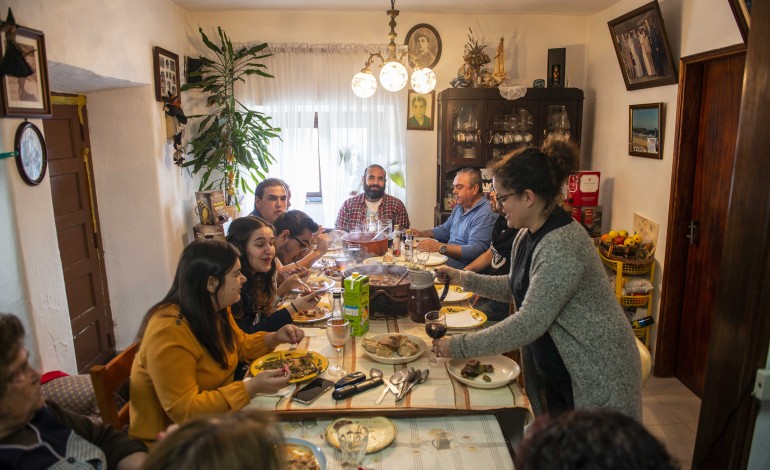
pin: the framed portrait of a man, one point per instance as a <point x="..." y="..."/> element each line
<point x="424" y="45"/>
<point x="420" y="111"/>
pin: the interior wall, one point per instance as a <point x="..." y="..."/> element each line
<point x="112" y="41"/>
<point x="632" y="184"/>
<point x="527" y="40"/>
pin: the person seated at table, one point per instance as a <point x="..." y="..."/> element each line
<point x="468" y="231"/>
<point x="271" y="199"/>
<point x="598" y="439"/>
<point x="356" y="211"/>
<point x="299" y="242"/>
<point x="190" y="346"/>
<point x="241" y="440"/>
<point x="577" y="346"/>
<point x="35" y="433"/>
<point x="496" y="261"/>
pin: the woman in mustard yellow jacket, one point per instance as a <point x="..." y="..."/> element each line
<point x="190" y="346"/>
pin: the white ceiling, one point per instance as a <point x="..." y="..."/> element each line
<point x="562" y="7"/>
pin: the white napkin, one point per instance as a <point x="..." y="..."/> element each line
<point x="461" y="319"/>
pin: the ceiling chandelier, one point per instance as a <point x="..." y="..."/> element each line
<point x="393" y="74"/>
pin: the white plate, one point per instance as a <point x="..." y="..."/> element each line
<point x="322" y="305"/>
<point x="382" y="432"/>
<point x="317" y="452"/>
<point x="319" y="282"/>
<point x="506" y="370"/>
<point x="435" y="259"/>
<point x="455" y="294"/>
<point x="421" y="347"/>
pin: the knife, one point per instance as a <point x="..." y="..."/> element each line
<point x="390" y="386"/>
<point x="349" y="390"/>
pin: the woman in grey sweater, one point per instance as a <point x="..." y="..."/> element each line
<point x="578" y="349"/>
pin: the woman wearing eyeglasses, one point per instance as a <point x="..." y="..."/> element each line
<point x="578" y="349"/>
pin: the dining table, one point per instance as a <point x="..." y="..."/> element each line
<point x="441" y="423"/>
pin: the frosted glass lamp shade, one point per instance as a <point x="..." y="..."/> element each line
<point x="393" y="76"/>
<point x="364" y="84"/>
<point x="423" y="80"/>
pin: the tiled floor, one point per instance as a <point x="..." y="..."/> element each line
<point x="670" y="412"/>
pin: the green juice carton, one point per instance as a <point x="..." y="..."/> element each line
<point x="356" y="303"/>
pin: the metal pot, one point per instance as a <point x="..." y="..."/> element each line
<point x="387" y="301"/>
<point x="368" y="246"/>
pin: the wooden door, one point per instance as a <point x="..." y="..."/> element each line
<point x="74" y="204"/>
<point x="710" y="98"/>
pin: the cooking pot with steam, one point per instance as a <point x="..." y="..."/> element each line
<point x="369" y="246"/>
<point x="385" y="299"/>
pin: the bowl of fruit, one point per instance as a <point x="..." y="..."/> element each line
<point x="619" y="245"/>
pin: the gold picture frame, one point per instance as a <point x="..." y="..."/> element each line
<point x="646" y="123"/>
<point x="27" y="97"/>
<point x="420" y="111"/>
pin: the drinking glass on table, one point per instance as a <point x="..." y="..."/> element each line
<point x="353" y="439"/>
<point x="435" y="327"/>
<point x="338" y="332"/>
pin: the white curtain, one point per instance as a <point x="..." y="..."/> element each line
<point x="316" y="78"/>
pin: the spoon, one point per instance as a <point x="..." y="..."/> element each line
<point x="423" y="376"/>
<point x="395" y="379"/>
<point x="409" y="376"/>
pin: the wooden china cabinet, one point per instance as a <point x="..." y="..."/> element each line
<point x="477" y="126"/>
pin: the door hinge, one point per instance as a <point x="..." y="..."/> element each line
<point x="692" y="232"/>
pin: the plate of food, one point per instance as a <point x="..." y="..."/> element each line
<point x="484" y="372"/>
<point x="332" y="272"/>
<point x="382" y="432"/>
<point x="460" y="318"/>
<point x="455" y="294"/>
<point x="319" y="282"/>
<point x="384" y="259"/>
<point x="302" y="455"/>
<point x="304" y="365"/>
<point x="322" y="311"/>
<point x="391" y="348"/>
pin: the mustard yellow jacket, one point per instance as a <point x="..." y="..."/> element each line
<point x="174" y="379"/>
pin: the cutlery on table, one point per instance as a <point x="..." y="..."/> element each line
<point x="396" y="379"/>
<point x="420" y="377"/>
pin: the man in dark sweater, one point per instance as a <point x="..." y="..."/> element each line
<point x="37" y="434"/>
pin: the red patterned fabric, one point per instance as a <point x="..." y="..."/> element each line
<point x="353" y="212"/>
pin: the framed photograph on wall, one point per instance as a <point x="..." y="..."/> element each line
<point x="645" y="130"/>
<point x="642" y="48"/>
<point x="419" y="114"/>
<point x="166" y="68"/>
<point x="742" y="12"/>
<point x="424" y="45"/>
<point x="29" y="96"/>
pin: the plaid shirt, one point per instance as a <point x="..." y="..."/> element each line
<point x="353" y="212"/>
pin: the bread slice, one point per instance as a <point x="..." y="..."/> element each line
<point x="407" y="347"/>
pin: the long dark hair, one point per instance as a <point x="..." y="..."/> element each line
<point x="199" y="261"/>
<point x="542" y="171"/>
<point x="260" y="287"/>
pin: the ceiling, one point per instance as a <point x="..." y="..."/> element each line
<point x="561" y="7"/>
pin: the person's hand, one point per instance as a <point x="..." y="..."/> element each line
<point x="289" y="270"/>
<point x="269" y="381"/>
<point x="441" y="347"/>
<point x="455" y="275"/>
<point x="292" y="282"/>
<point x="429" y="245"/>
<point x="287" y="334"/>
<point x="307" y="302"/>
<point x="322" y="242"/>
<point x="420" y="233"/>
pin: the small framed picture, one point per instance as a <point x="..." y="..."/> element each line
<point x="166" y="67"/>
<point x="420" y="111"/>
<point x="642" y="48"/>
<point x="742" y="12"/>
<point x="645" y="130"/>
<point x="31" y="154"/>
<point x="28" y="96"/>
<point x="424" y="45"/>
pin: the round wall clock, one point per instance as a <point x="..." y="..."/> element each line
<point x="31" y="156"/>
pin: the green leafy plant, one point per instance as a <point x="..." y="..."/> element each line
<point x="230" y="146"/>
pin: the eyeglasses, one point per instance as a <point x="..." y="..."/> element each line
<point x="22" y="373"/>
<point x="502" y="197"/>
<point x="304" y="244"/>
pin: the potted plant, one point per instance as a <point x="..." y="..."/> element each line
<point x="230" y="145"/>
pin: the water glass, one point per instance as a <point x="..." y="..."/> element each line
<point x="385" y="223"/>
<point x="341" y="262"/>
<point x="353" y="439"/>
<point x="338" y="333"/>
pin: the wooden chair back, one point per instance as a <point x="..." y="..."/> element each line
<point x="106" y="380"/>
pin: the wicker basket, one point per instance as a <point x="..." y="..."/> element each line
<point x="635" y="300"/>
<point x="633" y="267"/>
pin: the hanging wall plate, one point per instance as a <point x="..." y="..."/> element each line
<point x="31" y="158"/>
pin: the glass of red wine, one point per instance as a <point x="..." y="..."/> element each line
<point x="435" y="327"/>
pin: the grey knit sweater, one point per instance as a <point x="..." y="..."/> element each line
<point x="570" y="298"/>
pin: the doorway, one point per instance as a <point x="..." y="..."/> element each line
<point x="710" y="87"/>
<point x="78" y="234"/>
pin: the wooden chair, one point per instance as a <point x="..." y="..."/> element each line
<point x="106" y="380"/>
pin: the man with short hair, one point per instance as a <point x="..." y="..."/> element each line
<point x="468" y="231"/>
<point x="298" y="240"/>
<point x="270" y="199"/>
<point x="423" y="55"/>
<point x="418" y="119"/>
<point x="355" y="211"/>
<point x="35" y="433"/>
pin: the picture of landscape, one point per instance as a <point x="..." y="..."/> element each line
<point x="645" y="138"/>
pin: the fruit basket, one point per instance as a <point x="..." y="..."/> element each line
<point x="633" y="267"/>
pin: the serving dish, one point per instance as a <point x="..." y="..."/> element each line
<point x="506" y="369"/>
<point x="382" y="432"/>
<point x="320" y="457"/>
<point x="460" y="318"/>
<point x="273" y="360"/>
<point x="421" y="347"/>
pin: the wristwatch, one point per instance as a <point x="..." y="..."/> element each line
<point x="442" y="249"/>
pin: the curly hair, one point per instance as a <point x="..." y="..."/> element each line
<point x="11" y="337"/>
<point x="590" y="439"/>
<point x="259" y="287"/>
<point x="543" y="171"/>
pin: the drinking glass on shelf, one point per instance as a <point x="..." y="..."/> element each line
<point x="338" y="332"/>
<point x="435" y="327"/>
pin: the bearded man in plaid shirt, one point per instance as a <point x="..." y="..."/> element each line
<point x="355" y="211"/>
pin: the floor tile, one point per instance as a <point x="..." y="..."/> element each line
<point x="653" y="412"/>
<point x="685" y="406"/>
<point x="678" y="439"/>
<point x="665" y="385"/>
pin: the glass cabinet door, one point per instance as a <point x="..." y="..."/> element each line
<point x="510" y="125"/>
<point x="465" y="144"/>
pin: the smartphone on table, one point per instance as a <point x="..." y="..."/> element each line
<point x="312" y="390"/>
